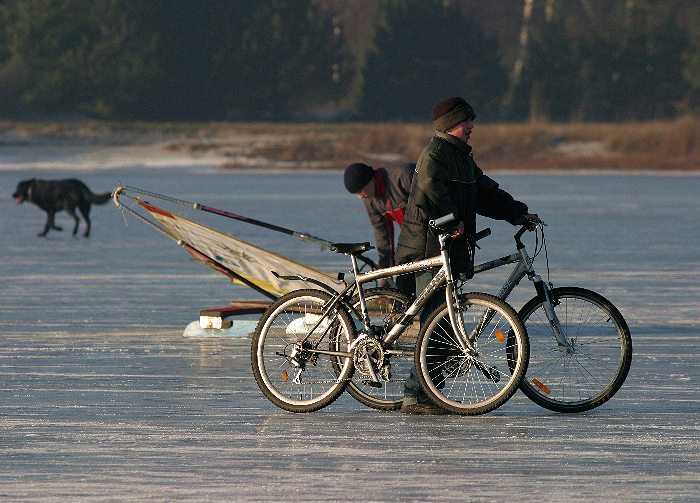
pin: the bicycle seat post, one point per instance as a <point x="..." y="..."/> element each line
<point x="360" y="294"/>
<point x="355" y="268"/>
<point x="355" y="249"/>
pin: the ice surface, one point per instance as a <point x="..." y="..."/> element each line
<point x="238" y="328"/>
<point x="102" y="398"/>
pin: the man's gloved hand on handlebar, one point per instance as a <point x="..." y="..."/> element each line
<point x="459" y="231"/>
<point x="529" y="221"/>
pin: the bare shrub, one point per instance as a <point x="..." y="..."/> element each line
<point x="650" y="145"/>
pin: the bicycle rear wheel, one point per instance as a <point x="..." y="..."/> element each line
<point x="385" y="306"/>
<point x="591" y="373"/>
<point x="287" y="364"/>
<point x="478" y="381"/>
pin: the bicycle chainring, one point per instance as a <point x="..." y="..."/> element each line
<point x="368" y="350"/>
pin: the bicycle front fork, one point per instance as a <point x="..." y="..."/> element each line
<point x="454" y="310"/>
<point x="548" y="303"/>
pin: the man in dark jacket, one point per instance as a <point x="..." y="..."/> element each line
<point x="447" y="180"/>
<point x="384" y="192"/>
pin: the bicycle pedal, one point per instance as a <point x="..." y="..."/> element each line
<point x="374" y="384"/>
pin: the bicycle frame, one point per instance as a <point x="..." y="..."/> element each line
<point x="442" y="277"/>
<point x="524" y="268"/>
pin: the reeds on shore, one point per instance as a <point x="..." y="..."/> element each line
<point x="655" y="145"/>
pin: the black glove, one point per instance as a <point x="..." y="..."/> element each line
<point x="528" y="221"/>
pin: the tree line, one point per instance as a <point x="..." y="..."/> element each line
<point x="373" y="60"/>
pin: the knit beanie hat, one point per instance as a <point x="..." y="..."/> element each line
<point x="357" y="176"/>
<point x="450" y="112"/>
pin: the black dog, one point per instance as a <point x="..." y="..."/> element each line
<point x="56" y="195"/>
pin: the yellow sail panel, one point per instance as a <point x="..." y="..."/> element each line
<point x="252" y="263"/>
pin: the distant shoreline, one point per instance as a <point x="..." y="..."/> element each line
<point x="547" y="148"/>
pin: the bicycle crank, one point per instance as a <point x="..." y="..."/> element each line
<point x="489" y="372"/>
<point x="365" y="354"/>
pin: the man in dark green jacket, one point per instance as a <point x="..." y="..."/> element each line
<point x="447" y="180"/>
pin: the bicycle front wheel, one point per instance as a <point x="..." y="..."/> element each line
<point x="593" y="369"/>
<point x="300" y="354"/>
<point x="481" y="379"/>
<point x="385" y="306"/>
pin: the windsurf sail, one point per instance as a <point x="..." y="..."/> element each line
<point x="366" y="262"/>
<point x="242" y="262"/>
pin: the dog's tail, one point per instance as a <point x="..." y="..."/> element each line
<point x="100" y="198"/>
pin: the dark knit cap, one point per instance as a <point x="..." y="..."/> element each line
<point x="450" y="112"/>
<point x="357" y="176"/>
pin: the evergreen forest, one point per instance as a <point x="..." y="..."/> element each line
<point x="348" y="60"/>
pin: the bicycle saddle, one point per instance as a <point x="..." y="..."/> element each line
<point x="350" y="248"/>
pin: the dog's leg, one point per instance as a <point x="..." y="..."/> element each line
<point x="48" y="225"/>
<point x="85" y="210"/>
<point x="71" y="212"/>
<point x="53" y="225"/>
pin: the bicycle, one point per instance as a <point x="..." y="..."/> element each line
<point x="582" y="349"/>
<point x="470" y="354"/>
<point x="580" y="344"/>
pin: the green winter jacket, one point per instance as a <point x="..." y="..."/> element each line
<point x="447" y="180"/>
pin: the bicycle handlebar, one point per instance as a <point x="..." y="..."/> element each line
<point x="482" y="234"/>
<point x="531" y="226"/>
<point x="440" y="222"/>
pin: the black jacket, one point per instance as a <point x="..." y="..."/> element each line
<point x="447" y="180"/>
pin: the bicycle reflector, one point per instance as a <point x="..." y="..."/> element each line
<point x="285" y="376"/>
<point x="542" y="386"/>
<point x="500" y="336"/>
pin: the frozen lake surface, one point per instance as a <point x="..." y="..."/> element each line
<point x="102" y="398"/>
